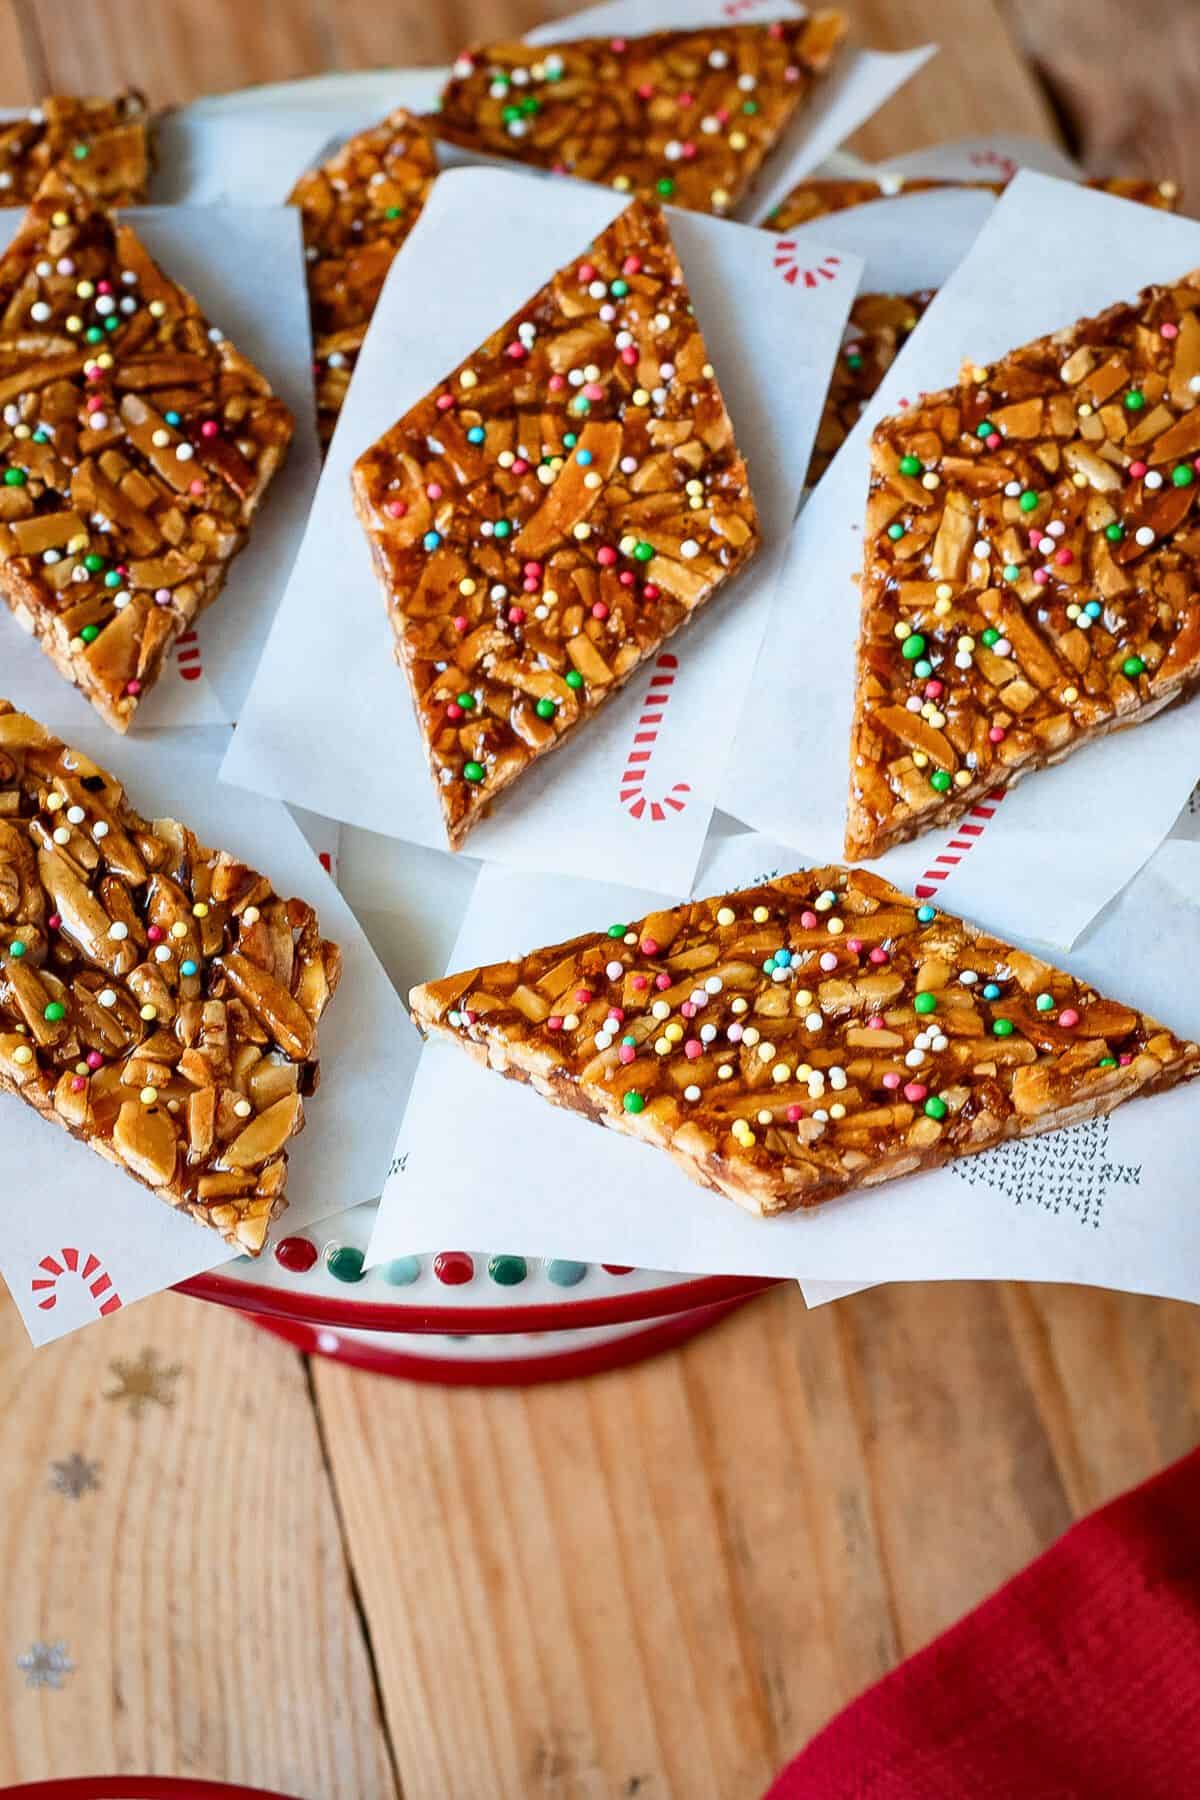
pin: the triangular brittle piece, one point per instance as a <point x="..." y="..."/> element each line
<point x="158" y="1000"/>
<point x="1031" y="564"/>
<point x="819" y="1033"/>
<point x="358" y="208"/>
<point x="553" y="511"/>
<point x="687" y="116"/>
<point x="135" y="446"/>
<point x="102" y="144"/>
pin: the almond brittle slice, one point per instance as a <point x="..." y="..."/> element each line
<point x="819" y="1033"/>
<point x="687" y="116"/>
<point x="358" y="208"/>
<point x="566" y="499"/>
<point x="1031" y="561"/>
<point x="102" y="144"/>
<point x="157" y="999"/>
<point x="135" y="447"/>
<point x="816" y="198"/>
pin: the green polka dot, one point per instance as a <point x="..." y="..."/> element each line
<point x="402" y="1271"/>
<point x="391" y="212"/>
<point x="854" y="360"/>
<point x="93" y="563"/>
<point x="990" y="636"/>
<point x="344" y="1262"/>
<point x="1182" y="475"/>
<point x="466" y="701"/>
<point x="1011" y="572"/>
<point x="508" y="1271"/>
<point x="643" y="551"/>
<point x="80" y="152"/>
<point x="895" y="531"/>
<point x="665" y="186"/>
<point x="90" y="633"/>
<point x="16" y="949"/>
<point x="14" y="478"/>
<point x="1107" y="1062"/>
<point x="912" y="647"/>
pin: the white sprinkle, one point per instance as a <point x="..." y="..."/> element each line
<point x="837" y="1078"/>
<point x="689" y="548"/>
<point x="713" y="985"/>
<point x="62" y="835"/>
<point x="1153" y="479"/>
<point x="614" y="970"/>
<point x="184" y="452"/>
<point x="718" y="59"/>
<point x="76" y="815"/>
<point x="968" y="978"/>
<point x="707" y="1033"/>
<point x="162" y="953"/>
<point x="1012" y="489"/>
<point x="914" y="1059"/>
<point x="106" y="997"/>
<point x="1143" y="535"/>
<point x="940" y="1042"/>
<point x="813" y="1021"/>
<point x="39" y="312"/>
<point x="692" y="1092"/>
<point x="118" y="932"/>
<point x="981" y="548"/>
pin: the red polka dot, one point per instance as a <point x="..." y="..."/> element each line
<point x="617" y="1268"/>
<point x="297" y="1254"/>
<point x="454" y="1267"/>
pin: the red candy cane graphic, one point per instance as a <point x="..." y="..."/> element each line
<point x="90" y="1271"/>
<point x="187" y="657"/>
<point x="632" y="797"/>
<point x="994" y="159"/>
<point x="967" y="835"/>
<point x="790" y="270"/>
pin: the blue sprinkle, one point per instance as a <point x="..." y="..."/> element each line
<point x="923" y="668"/>
<point x="188" y="967"/>
<point x="432" y="539"/>
<point x="476" y="434"/>
<point x="1093" y="609"/>
<point x="783" y="959"/>
<point x="584" y="457"/>
<point x="925" y="913"/>
<point x="991" y="991"/>
<point x="172" y="418"/>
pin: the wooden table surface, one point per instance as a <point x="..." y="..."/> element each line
<point x="658" y="1582"/>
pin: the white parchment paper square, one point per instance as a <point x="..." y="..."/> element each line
<point x="1066" y="839"/>
<point x="245" y="267"/>
<point x="485" y="242"/>
<point x="57" y="1193"/>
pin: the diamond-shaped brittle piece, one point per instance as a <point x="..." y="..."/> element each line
<point x="1031" y="564"/>
<point x="135" y="447"/>
<point x="816" y="198"/>
<point x="358" y="208"/>
<point x="102" y="144"/>
<point x="157" y="999"/>
<point x="818" y="1033"/>
<point x="687" y="116"/>
<point x="565" y="500"/>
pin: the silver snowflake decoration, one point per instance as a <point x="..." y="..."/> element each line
<point x="45" y="1665"/>
<point x="74" y="1477"/>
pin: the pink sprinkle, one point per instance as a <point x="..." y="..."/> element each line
<point x="54" y="922"/>
<point x="1063" y="556"/>
<point x="734" y="1034"/>
<point x="693" y="1048"/>
<point x="162" y="596"/>
<point x="519" y="465"/>
<point x="105" y="287"/>
<point x="684" y="100"/>
<point x="915" y="1090"/>
<point x="593" y="390"/>
<point x="460" y="621"/>
<point x="209" y="428"/>
<point x="795" y="1114"/>
<point x="631" y="265"/>
<point x="808" y="919"/>
<point x="445" y="402"/>
<point x="599" y="610"/>
<point x="530" y="584"/>
<point x="775" y="29"/>
<point x="854" y="945"/>
<point x="1041" y="576"/>
<point x="620" y="45"/>
<point x="516" y="615"/>
<point x="687" y="149"/>
<point x="454" y="710"/>
<point x="875" y="1023"/>
<point x="94" y="374"/>
<point x="878" y="956"/>
<point x="933" y="690"/>
<point x="828" y="961"/>
<point x="645" y="90"/>
<point x="992" y="440"/>
<point x="95" y="402"/>
<point x="1168" y="329"/>
<point x="662" y="981"/>
<point x="587" y="272"/>
<point x="434" y="490"/>
<point x="554" y="1023"/>
<point x="689" y="1009"/>
<point x="532" y="568"/>
<point x="723" y="114"/>
<point x="1068" y="1017"/>
<point x="469" y="1016"/>
<point x="556" y="383"/>
<point x="996" y="734"/>
<point x="616" y="1015"/>
<point x="396" y="509"/>
<point x="1125" y="1060"/>
<point x="626" y="578"/>
<point x="94" y="1060"/>
<point x="516" y="351"/>
<point x="891" y="1080"/>
<point x="638" y="981"/>
<point x="629" y="355"/>
<point x="78" y="1083"/>
<point x="650" y="591"/>
<point x="627" y="1053"/>
<point x="196" y="487"/>
<point x="649" y="946"/>
<point x="606" y="556"/>
<point x="155" y="934"/>
<point x="133" y="687"/>
<point x="1137" y="470"/>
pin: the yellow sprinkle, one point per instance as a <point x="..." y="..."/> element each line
<point x="660" y="1010"/>
<point x="836" y="927"/>
<point x="74" y="323"/>
<point x="900" y="630"/>
<point x="693" y="486"/>
<point x="591" y="479"/>
<point x="156" y="309"/>
<point x="726" y="915"/>
<point x="77" y="544"/>
<point x="765" y="1052"/>
<point x="724" y="1072"/>
<point x="737" y="141"/>
<point x="627" y="545"/>
<point x="740" y="1005"/>
<point x="943" y="591"/>
<point x="803" y="997"/>
<point x="1070" y="696"/>
<point x="663" y="1046"/>
<point x="966" y="643"/>
<point x="780" y="1072"/>
<point x="54" y="803"/>
<point x="22" y="1054"/>
<point x="178" y="929"/>
<point x="243" y="1109"/>
<point x="640" y="397"/>
<point x="962" y="778"/>
<point x="930" y="481"/>
<point x="764" y="1117"/>
<point x="1080" y="481"/>
<point x="978" y="374"/>
<point x="719" y="197"/>
<point x="200" y="909"/>
<point x="920" y="758"/>
<point x="621" y="183"/>
<point x="149" y="1012"/>
<point x="251" y="916"/>
<point x="674" y="1031"/>
<point x="506" y="459"/>
<point x="85" y="289"/>
<point x="468" y="378"/>
<point x="942" y="607"/>
<point x="466" y="585"/>
<point x="708" y="371"/>
<point x="760" y="915"/>
<point x="59" y="218"/>
<point x="837" y="1110"/>
<point x="1085" y="410"/>
<point x="104" y="360"/>
<point x="148" y="1096"/>
<point x="582" y="530"/>
<point x="550" y="597"/>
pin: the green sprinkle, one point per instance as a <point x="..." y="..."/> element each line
<point x="391" y="212"/>
<point x="570" y="439"/>
<point x="910" y="465"/>
<point x="16" y="949"/>
<point x="574" y="679"/>
<point x="80" y="152"/>
<point x="112" y="579"/>
<point x="985" y="429"/>
<point x="1002" y="1027"/>
<point x="665" y="186"/>
<point x="1133" y="666"/>
<point x="990" y="636"/>
<point x="912" y="646"/>
<point x="1045" y="1002"/>
<point x="510" y="113"/>
<point x="41" y="437"/>
<point x="633" y="1102"/>
<point x="617" y="931"/>
<point x="1135" y="400"/>
<point x="854" y="360"/>
<point x="925" y="1003"/>
<point x="1107" y="1062"/>
<point x="55" y="1011"/>
<point x="112" y="323"/>
<point x="345" y="1262"/>
<point x="90" y="633"/>
<point x="581" y="404"/>
<point x="546" y="709"/>
<point x="750" y="106"/>
<point x="939" y="781"/>
<point x="618" y="289"/>
<point x="14" y="478"/>
<point x="94" y="334"/>
<point x="472" y="771"/>
<point x="466" y="701"/>
<point x="1029" y="501"/>
<point x="501" y="528"/>
<point x="1114" y="533"/>
<point x="643" y="551"/>
<point x="1011" y="572"/>
<point x="1182" y="475"/>
<point x="93" y="563"/>
<point x="935" y="1108"/>
<point x="895" y="531"/>
<point x="530" y="105"/>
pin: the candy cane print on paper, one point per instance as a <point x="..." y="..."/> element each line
<point x="789" y="268"/>
<point x="965" y="837"/>
<point x="1004" y="166"/>
<point x="187" y="656"/>
<point x="90" y="1271"/>
<point x="637" y="764"/>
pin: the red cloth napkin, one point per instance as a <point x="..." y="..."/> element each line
<point x="1078" y="1680"/>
